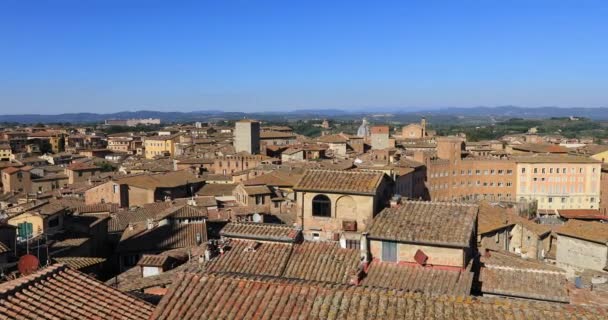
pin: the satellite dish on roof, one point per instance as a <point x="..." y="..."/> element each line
<point x="28" y="264"/>
<point x="257" y="218"/>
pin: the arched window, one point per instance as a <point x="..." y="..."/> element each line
<point x="321" y="206"/>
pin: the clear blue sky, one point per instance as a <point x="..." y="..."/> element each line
<point x="104" y="56"/>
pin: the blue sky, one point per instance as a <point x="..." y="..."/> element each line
<point x="104" y="56"/>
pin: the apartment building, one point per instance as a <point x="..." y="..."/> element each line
<point x="450" y="176"/>
<point x="559" y="181"/>
<point x="161" y="145"/>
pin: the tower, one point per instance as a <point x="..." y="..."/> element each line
<point x="423" y="125"/>
<point x="247" y="136"/>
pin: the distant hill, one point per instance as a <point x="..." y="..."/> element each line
<point x="400" y="113"/>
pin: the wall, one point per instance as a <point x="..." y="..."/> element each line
<point x="104" y="193"/>
<point x="572" y="252"/>
<point x="496" y="240"/>
<point x="36" y="221"/>
<point x="358" y="208"/>
<point x="440" y="256"/>
<point x="577" y="188"/>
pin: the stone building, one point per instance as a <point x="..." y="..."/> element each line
<point x="380" y="137"/>
<point x="331" y="202"/>
<point x="414" y="130"/>
<point x="425" y="233"/>
<point x="17" y="179"/>
<point x="247" y="136"/>
<point x="582" y="245"/>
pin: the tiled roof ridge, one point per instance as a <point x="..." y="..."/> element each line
<point x="263" y="224"/>
<point x="450" y="203"/>
<point x="9" y="287"/>
<point x="531" y="270"/>
<point x="263" y="280"/>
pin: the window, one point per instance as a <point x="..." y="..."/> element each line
<point x="389" y="251"/>
<point x="543" y="170"/>
<point x="509" y="171"/>
<point x="523" y="170"/>
<point x="353" y="244"/>
<point x="321" y="206"/>
<point x="550" y="199"/>
<point x="535" y="170"/>
<point x="80" y="173"/>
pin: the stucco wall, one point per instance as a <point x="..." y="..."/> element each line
<point x="441" y="256"/>
<point x="580" y="253"/>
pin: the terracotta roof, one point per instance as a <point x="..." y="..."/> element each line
<point x="337" y="181"/>
<point x="58" y="292"/>
<point x="582" y="214"/>
<point x="275" y="178"/>
<point x="4" y="248"/>
<point x="121" y="219"/>
<point x="492" y="218"/>
<point x="261" y="231"/>
<point x="251" y="257"/>
<point x="440" y="223"/>
<point x="505" y="259"/>
<point x="79" y="262"/>
<point x="97" y="208"/>
<point x="164" y="237"/>
<point x="276" y="135"/>
<point x="379" y="130"/>
<point x="592" y="231"/>
<point x="153" y="260"/>
<point x="322" y="261"/>
<point x="332" y="138"/>
<point x="425" y="280"/>
<point x="256" y="190"/>
<point x="216" y="189"/>
<point x="239" y="297"/>
<point x="11" y="170"/>
<point x="187" y="211"/>
<point x="554" y="159"/>
<point x="165" y="180"/>
<point x="80" y="166"/>
<point x="541" y="148"/>
<point x="524" y="283"/>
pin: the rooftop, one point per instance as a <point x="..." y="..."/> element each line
<point x="59" y="292"/>
<point x="426" y="222"/>
<point x="431" y="281"/>
<point x="260" y="231"/>
<point x="297" y="299"/>
<point x="339" y="181"/>
<point x="591" y="231"/>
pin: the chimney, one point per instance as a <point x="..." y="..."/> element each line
<point x="364" y="248"/>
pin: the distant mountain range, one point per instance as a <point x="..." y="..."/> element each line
<point x="401" y="113"/>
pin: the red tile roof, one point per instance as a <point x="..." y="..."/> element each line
<point x="339" y="181"/>
<point x="432" y="281"/>
<point x="195" y="296"/>
<point x="261" y="231"/>
<point x="524" y="283"/>
<point x="582" y="214"/>
<point x="58" y="292"/>
<point x="438" y="223"/>
<point x="379" y="130"/>
<point x="322" y="261"/>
